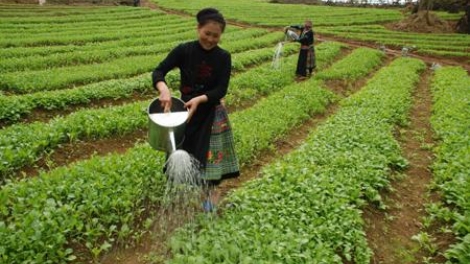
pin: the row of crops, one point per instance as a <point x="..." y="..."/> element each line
<point x="248" y="140"/>
<point x="363" y="24"/>
<point x="451" y="123"/>
<point x="16" y="107"/>
<point x="433" y="44"/>
<point x="307" y="206"/>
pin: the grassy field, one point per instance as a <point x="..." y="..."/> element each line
<point x="80" y="184"/>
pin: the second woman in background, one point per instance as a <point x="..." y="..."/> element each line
<point x="306" y="62"/>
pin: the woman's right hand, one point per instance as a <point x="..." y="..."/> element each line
<point x="165" y="96"/>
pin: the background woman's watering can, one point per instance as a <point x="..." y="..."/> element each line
<point x="166" y="130"/>
<point x="292" y="35"/>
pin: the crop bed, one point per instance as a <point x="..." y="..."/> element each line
<point x="305" y="207"/>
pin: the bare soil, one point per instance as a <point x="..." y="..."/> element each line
<point x="423" y="22"/>
<point x="390" y="231"/>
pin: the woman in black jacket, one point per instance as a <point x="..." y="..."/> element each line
<point x="306" y="62"/>
<point x="205" y="70"/>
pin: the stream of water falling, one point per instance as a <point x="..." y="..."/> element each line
<point x="172" y="140"/>
<point x="184" y="192"/>
<point x="276" y="64"/>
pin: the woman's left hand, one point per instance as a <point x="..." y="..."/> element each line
<point x="193" y="104"/>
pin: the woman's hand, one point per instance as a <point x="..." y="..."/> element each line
<point x="193" y="104"/>
<point x="165" y="96"/>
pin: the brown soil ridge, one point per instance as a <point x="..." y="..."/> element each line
<point x="390" y="232"/>
<point x="423" y="22"/>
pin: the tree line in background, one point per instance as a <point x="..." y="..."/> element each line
<point x="416" y="10"/>
<point x="452" y="6"/>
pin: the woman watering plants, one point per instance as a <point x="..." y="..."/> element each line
<point x="306" y="61"/>
<point x="205" y="70"/>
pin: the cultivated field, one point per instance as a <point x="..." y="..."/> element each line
<point x="368" y="161"/>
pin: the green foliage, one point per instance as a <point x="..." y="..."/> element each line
<point x="357" y="64"/>
<point x="273" y="14"/>
<point x="263" y="80"/>
<point x="438" y="44"/>
<point x="306" y="207"/>
<point x="451" y="94"/>
<point x="22" y="144"/>
<point x="96" y="203"/>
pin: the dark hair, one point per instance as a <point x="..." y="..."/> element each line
<point x="210" y="14"/>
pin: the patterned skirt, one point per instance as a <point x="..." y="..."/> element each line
<point x="222" y="161"/>
<point x="311" y="62"/>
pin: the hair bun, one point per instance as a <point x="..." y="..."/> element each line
<point x="206" y="13"/>
<point x="210" y="14"/>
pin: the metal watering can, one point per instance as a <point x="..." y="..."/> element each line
<point x="166" y="130"/>
<point x="292" y="35"/>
